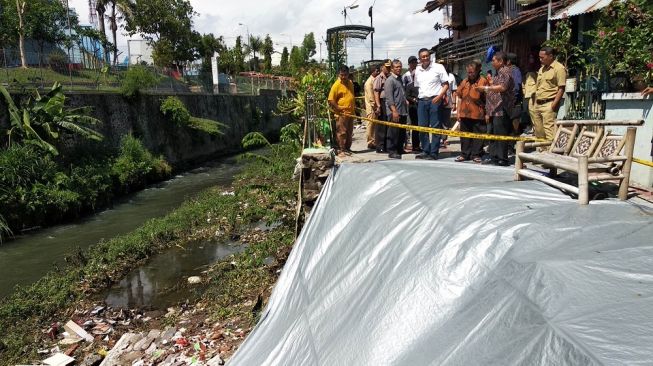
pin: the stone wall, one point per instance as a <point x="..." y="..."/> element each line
<point x="180" y="145"/>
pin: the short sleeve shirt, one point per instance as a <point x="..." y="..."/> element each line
<point x="369" y="95"/>
<point x="549" y="79"/>
<point x="395" y="95"/>
<point x="472" y="102"/>
<point x="497" y="103"/>
<point x="343" y="95"/>
<point x="379" y="83"/>
<point x="430" y="80"/>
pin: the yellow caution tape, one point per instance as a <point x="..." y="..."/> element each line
<point x="643" y="162"/>
<point x="438" y="131"/>
<point x="469" y="135"/>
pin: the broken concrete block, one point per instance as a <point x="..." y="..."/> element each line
<point x="73" y="328"/>
<point x="59" y="359"/>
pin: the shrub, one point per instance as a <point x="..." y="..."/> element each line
<point x="135" y="165"/>
<point x="176" y="111"/>
<point x="137" y="78"/>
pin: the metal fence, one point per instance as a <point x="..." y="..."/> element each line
<point x="83" y="71"/>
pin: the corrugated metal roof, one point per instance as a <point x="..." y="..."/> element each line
<point x="581" y="7"/>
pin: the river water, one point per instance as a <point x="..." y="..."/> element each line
<point x="28" y="258"/>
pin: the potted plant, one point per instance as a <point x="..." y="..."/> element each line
<point x="622" y="41"/>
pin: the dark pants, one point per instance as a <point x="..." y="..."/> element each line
<point x="414" y="135"/>
<point x="501" y="125"/>
<point x="471" y="148"/>
<point x="381" y="131"/>
<point x="397" y="137"/>
<point x="445" y="119"/>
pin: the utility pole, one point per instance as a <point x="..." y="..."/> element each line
<point x="369" y="12"/>
<point x="548" y="22"/>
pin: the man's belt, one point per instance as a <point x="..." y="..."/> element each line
<point x="426" y="98"/>
<point x="544" y="101"/>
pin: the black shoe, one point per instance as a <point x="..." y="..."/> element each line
<point x="502" y="162"/>
<point x="487" y="161"/>
<point x="422" y="156"/>
<point x="394" y="156"/>
<point x="381" y="151"/>
<point x="433" y="157"/>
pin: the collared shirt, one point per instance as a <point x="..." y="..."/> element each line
<point x="549" y="78"/>
<point x="370" y="103"/>
<point x="395" y="95"/>
<point x="408" y="78"/>
<point x="530" y="84"/>
<point x="378" y="84"/>
<point x="452" y="88"/>
<point x="342" y="93"/>
<point x="516" y="77"/>
<point x="430" y="80"/>
<point x="472" y="102"/>
<point x="497" y="103"/>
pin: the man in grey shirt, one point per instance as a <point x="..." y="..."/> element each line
<point x="397" y="110"/>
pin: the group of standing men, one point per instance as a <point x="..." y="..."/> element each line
<point x="424" y="94"/>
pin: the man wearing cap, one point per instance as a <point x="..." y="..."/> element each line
<point x="412" y="94"/>
<point x="370" y="104"/>
<point x="432" y="80"/>
<point x="550" y="87"/>
<point x="380" y="131"/>
<point x="341" y="100"/>
<point x="397" y="110"/>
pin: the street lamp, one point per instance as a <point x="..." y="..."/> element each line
<point x="344" y="10"/>
<point x="246" y="27"/>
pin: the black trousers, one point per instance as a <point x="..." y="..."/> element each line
<point x="381" y="131"/>
<point x="397" y="137"/>
<point x="471" y="148"/>
<point x="414" y="135"/>
<point x="501" y="125"/>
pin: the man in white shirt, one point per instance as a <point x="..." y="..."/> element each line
<point x="433" y="82"/>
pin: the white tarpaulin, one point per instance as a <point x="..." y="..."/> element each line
<point x="423" y="263"/>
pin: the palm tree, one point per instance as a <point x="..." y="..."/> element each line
<point x="101" y="9"/>
<point x="123" y="7"/>
<point x="255" y="46"/>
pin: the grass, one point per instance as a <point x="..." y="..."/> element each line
<point x="264" y="191"/>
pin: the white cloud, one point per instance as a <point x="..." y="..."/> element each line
<point x="399" y="32"/>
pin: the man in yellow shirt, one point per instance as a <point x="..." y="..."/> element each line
<point x="550" y="87"/>
<point x="341" y="100"/>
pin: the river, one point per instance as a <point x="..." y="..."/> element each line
<point x="26" y="259"/>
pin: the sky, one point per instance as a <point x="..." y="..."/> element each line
<point x="399" y="31"/>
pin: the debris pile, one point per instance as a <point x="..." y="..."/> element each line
<point x="105" y="336"/>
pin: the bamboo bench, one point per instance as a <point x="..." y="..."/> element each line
<point x="586" y="149"/>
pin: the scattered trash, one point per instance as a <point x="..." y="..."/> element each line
<point x="74" y="329"/>
<point x="59" y="359"/>
<point x="194" y="280"/>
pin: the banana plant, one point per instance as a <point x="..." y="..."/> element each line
<point x="43" y="118"/>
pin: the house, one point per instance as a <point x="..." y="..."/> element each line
<point x="475" y="25"/>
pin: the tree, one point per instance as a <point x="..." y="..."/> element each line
<point x="283" y="64"/>
<point x="8" y="23"/>
<point x="47" y="22"/>
<point x="168" y="22"/>
<point x="238" y="57"/>
<point x="21" y="6"/>
<point x="101" y="9"/>
<point x="268" y="49"/>
<point x="308" y="46"/>
<point x="255" y="46"/>
<point x="296" y="59"/>
<point x="124" y="8"/>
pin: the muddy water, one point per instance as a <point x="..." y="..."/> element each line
<point x="162" y="281"/>
<point x="28" y="258"/>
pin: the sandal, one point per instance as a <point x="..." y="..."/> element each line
<point x="477" y="160"/>
<point x="460" y="159"/>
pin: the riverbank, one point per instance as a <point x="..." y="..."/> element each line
<point x="263" y="192"/>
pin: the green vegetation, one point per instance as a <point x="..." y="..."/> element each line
<point x="175" y="110"/>
<point x="264" y="191"/>
<point x="43" y="191"/>
<point x="41" y="120"/>
<point x="136" y="79"/>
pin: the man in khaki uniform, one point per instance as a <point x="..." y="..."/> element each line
<point x="550" y="86"/>
<point x="370" y="104"/>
